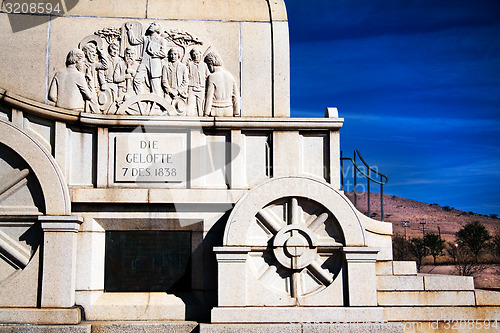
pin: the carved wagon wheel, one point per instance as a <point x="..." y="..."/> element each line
<point x="299" y="244"/>
<point x="295" y="238"/>
<point x="147" y="105"/>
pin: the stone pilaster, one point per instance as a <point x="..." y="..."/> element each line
<point x="231" y="265"/>
<point x="59" y="260"/>
<point x="362" y="283"/>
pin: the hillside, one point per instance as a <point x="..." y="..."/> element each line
<point x="397" y="210"/>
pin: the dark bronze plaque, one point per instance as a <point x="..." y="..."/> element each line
<point x="143" y="261"/>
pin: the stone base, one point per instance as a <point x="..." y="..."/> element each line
<point x="442" y="313"/>
<point x="138" y="326"/>
<point x="83" y="328"/>
<point x="141" y="307"/>
<point x="303" y="328"/>
<point x="297" y="314"/>
<point x="396" y="320"/>
<point x="70" y="316"/>
<point x="350" y="316"/>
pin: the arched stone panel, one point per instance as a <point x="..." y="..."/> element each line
<point x="44" y="166"/>
<point x="247" y="208"/>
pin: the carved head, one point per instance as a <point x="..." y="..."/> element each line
<point x="173" y="54"/>
<point x="114" y="49"/>
<point x="213" y="60"/>
<point x="153" y="28"/>
<point x="195" y="54"/>
<point x="90" y="50"/>
<point x="75" y="56"/>
<point x="130" y="54"/>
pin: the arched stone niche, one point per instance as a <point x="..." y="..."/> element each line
<point x="294" y="241"/>
<point x="31" y="185"/>
<point x="242" y="218"/>
<point x="53" y="186"/>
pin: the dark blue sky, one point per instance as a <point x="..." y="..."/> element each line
<point x="418" y="83"/>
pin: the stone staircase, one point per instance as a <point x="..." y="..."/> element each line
<point x="407" y="295"/>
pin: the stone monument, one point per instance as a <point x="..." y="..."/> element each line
<point x="152" y="178"/>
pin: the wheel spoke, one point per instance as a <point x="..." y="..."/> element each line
<point x="294" y="211"/>
<point x="270" y="221"/>
<point x="295" y="285"/>
<point x="320" y="273"/>
<point x="318" y="221"/>
<point x="267" y="273"/>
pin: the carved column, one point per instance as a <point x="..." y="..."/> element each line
<point x="362" y="281"/>
<point x="59" y="260"/>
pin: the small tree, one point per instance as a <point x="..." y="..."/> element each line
<point x="400" y="248"/>
<point x="435" y="245"/>
<point x="495" y="245"/>
<point x="465" y="263"/>
<point x="474" y="237"/>
<point x="452" y="251"/>
<point x="419" y="250"/>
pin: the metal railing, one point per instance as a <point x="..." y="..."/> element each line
<point x="370" y="175"/>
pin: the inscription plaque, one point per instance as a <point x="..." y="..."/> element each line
<point x="147" y="261"/>
<point x="150" y="158"/>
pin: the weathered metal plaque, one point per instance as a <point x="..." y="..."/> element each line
<point x="147" y="261"/>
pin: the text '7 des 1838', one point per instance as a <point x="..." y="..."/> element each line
<point x="150" y="158"/>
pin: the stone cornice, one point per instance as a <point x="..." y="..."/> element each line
<point x="98" y="120"/>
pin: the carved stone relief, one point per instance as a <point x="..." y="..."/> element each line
<point x="145" y="71"/>
<point x="302" y="255"/>
<point x="19" y="233"/>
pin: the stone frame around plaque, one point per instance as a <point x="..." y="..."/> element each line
<point x="90" y="291"/>
<point x="151" y="160"/>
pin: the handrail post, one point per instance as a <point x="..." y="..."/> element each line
<point x="341" y="172"/>
<point x="367" y="172"/>
<point x="355" y="182"/>
<point x="368" y="199"/>
<point x="381" y="199"/>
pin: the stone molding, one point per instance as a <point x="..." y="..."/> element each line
<point x="233" y="254"/>
<point x="361" y="254"/>
<point x="59" y="114"/>
<point x="60" y="223"/>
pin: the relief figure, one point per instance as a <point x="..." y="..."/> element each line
<point x="137" y="71"/>
<point x="69" y="88"/>
<point x="221" y="99"/>
<point x="153" y="51"/>
<point x="113" y="60"/>
<point x="94" y="69"/>
<point x="175" y="77"/>
<point x="198" y="73"/>
<point x="124" y="74"/>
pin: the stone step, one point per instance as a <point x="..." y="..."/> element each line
<point x="143" y="326"/>
<point x="373" y="327"/>
<point x="396" y="268"/>
<point x="400" y="283"/>
<point x="426" y="298"/>
<point x="418" y="314"/>
<point x="422" y="282"/>
<point x="82" y="328"/>
<point x="35" y="316"/>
